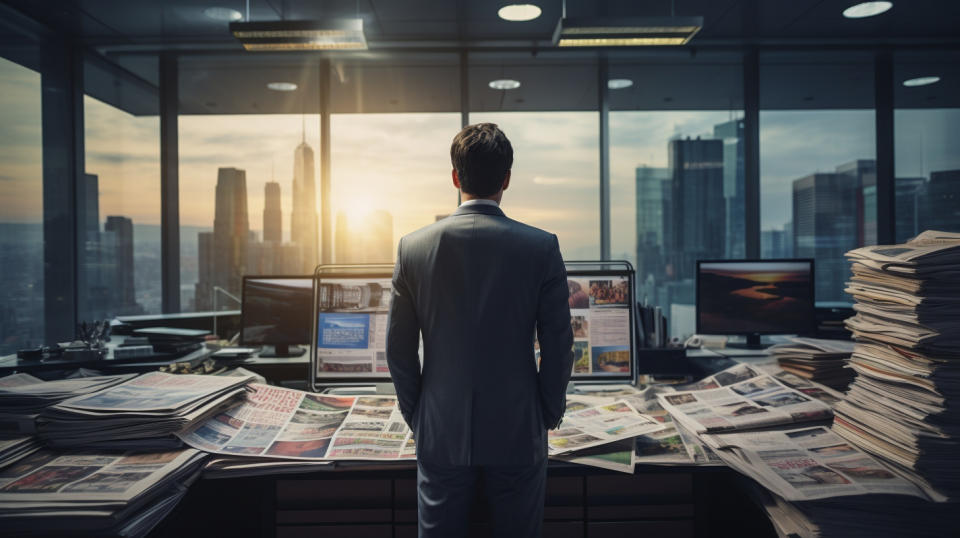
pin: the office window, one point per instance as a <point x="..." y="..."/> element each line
<point x="554" y="128"/>
<point x="118" y="198"/>
<point x="927" y="143"/>
<point x="249" y="174"/>
<point x="393" y="117"/>
<point x="21" y="209"/>
<point x="817" y="161"/>
<point x="676" y="172"/>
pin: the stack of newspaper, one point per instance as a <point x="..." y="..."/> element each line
<point x="93" y="493"/>
<point x="904" y="405"/>
<point x="23" y="397"/>
<point x="822" y="361"/>
<point x="142" y="413"/>
<point x="14" y="448"/>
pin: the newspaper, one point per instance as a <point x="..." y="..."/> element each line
<point x="929" y="252"/>
<point x="588" y="424"/>
<point x="665" y="447"/>
<point x="291" y="424"/>
<point x="738" y="398"/>
<point x="807" y="463"/>
<point x="152" y="392"/>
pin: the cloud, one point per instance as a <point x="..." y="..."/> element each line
<point x="566" y="181"/>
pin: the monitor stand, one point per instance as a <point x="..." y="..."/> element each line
<point x="753" y="342"/>
<point x="282" y="351"/>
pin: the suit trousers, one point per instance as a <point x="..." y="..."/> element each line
<point x="515" y="494"/>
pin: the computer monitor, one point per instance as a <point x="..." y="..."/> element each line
<point x="602" y="317"/>
<point x="350" y="328"/>
<point x="276" y="311"/>
<point x="755" y="297"/>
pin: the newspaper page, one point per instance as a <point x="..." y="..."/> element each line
<point x="600" y="319"/>
<point x="740" y="398"/>
<point x="665" y="447"/>
<point x="807" y="463"/>
<point x="153" y="392"/>
<point x="292" y="424"/>
<point x="18" y="380"/>
<point x="586" y="425"/>
<point x="352" y="327"/>
<point x="90" y="478"/>
<point x="929" y="251"/>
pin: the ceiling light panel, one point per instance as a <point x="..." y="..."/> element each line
<point x="625" y="31"/>
<point x="519" y="12"/>
<point x="867" y="9"/>
<point x="330" y="34"/>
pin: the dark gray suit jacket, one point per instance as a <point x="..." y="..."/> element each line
<point x="477" y="284"/>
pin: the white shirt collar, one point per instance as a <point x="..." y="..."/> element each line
<point x="480" y="201"/>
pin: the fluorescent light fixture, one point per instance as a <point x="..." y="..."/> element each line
<point x="329" y="34"/>
<point x="866" y="9"/>
<point x="921" y="81"/>
<point x="222" y="14"/>
<point x="504" y="84"/>
<point x="282" y="86"/>
<point x="619" y="83"/>
<point x="625" y="31"/>
<point x="519" y="12"/>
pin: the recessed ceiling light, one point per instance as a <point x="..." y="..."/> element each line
<point x="866" y="9"/>
<point x="920" y="81"/>
<point x="619" y="83"/>
<point x="519" y="12"/>
<point x="222" y="14"/>
<point x="282" y="86"/>
<point x="504" y="84"/>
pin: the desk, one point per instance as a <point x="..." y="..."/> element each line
<point x="381" y="502"/>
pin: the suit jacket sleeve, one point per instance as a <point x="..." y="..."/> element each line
<point x="403" y="338"/>
<point x="555" y="336"/>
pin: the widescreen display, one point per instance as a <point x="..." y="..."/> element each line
<point x="762" y="297"/>
<point x="276" y="310"/>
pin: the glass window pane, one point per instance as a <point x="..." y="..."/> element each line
<point x="118" y="202"/>
<point x="817" y="161"/>
<point x="554" y="128"/>
<point x="21" y="209"/>
<point x="676" y="172"/>
<point x="927" y="143"/>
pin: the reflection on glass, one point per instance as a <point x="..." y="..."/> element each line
<point x="677" y="196"/>
<point x="21" y="209"/>
<point x="249" y="192"/>
<point x="118" y="206"/>
<point x="818" y="193"/>
<point x="390" y="176"/>
<point x="555" y="182"/>
<point x="927" y="164"/>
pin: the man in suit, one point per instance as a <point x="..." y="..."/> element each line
<point x="477" y="285"/>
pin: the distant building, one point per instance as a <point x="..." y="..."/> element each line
<point x="650" y="184"/>
<point x="734" y="184"/>
<point x="303" y="218"/>
<point x="121" y="228"/>
<point x="694" y="221"/>
<point x="223" y="257"/>
<point x="272" y="214"/>
<point x="863" y="174"/>
<point x="940" y="200"/>
<point x="203" y="296"/>
<point x="826" y="223"/>
<point x="773" y="244"/>
<point x="907" y="216"/>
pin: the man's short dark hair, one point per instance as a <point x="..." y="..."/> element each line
<point x="482" y="156"/>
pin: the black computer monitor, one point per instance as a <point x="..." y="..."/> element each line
<point x="276" y="311"/>
<point x="602" y="316"/>
<point x="349" y="343"/>
<point x="755" y="297"/>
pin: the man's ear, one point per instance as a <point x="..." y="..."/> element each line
<point x="456" y="179"/>
<point x="506" y="181"/>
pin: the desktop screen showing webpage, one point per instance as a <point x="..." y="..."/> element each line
<point x="600" y="318"/>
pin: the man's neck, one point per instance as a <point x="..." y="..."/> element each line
<point x="464" y="198"/>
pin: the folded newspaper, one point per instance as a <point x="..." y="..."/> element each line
<point x="15" y="448"/>
<point x="94" y="493"/>
<point x="586" y="424"/>
<point x="140" y="414"/>
<point x="823" y="361"/>
<point x="738" y="398"/>
<point x="23" y="397"/>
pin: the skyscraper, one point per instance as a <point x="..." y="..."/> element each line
<point x="940" y="198"/>
<point x="650" y="205"/>
<point x="907" y="192"/>
<point x="231" y="229"/>
<point x="863" y="175"/>
<point x="303" y="219"/>
<point x="272" y="215"/>
<point x="825" y="226"/>
<point x="203" y="294"/>
<point x="122" y="230"/>
<point x="734" y="180"/>
<point x="694" y="222"/>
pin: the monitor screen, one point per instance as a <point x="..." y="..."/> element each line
<point x="351" y="328"/>
<point x="601" y="318"/>
<point x="755" y="297"/>
<point x="276" y="310"/>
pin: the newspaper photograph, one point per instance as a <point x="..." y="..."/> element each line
<point x="600" y="319"/>
<point x="291" y="424"/>
<point x="807" y="463"/>
<point x="154" y="391"/>
<point x="664" y="447"/>
<point x="741" y="397"/>
<point x="588" y="424"/>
